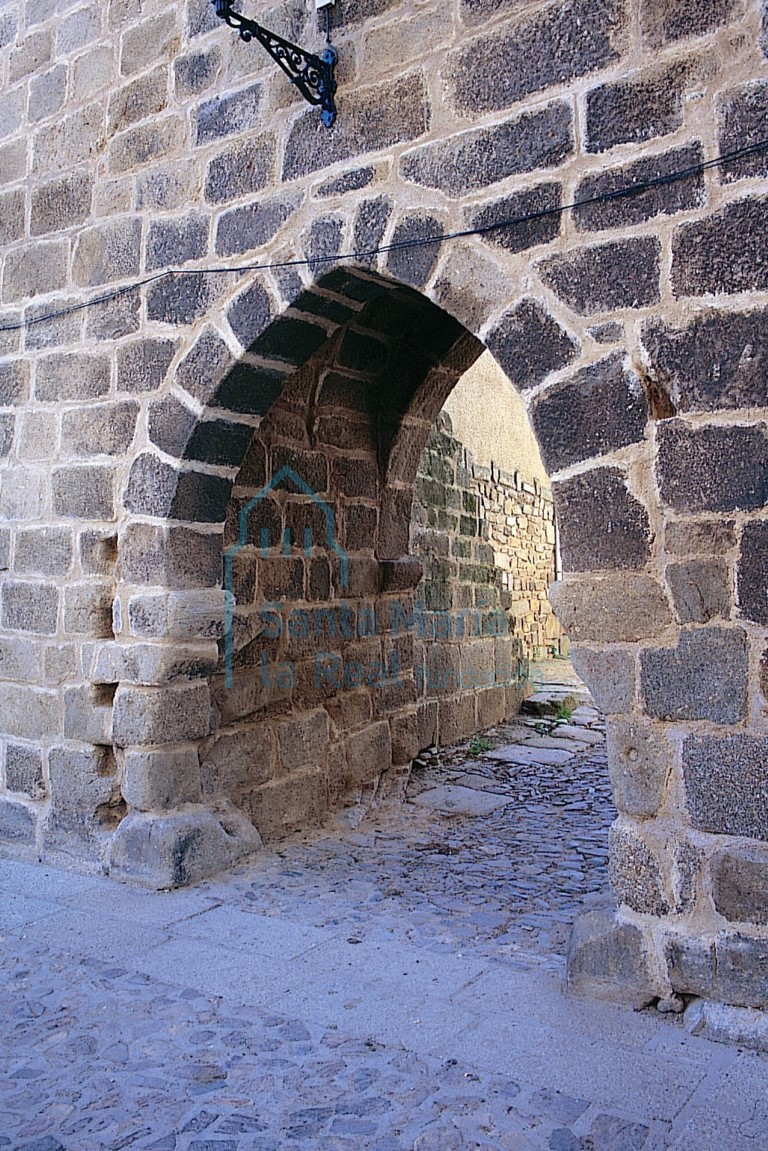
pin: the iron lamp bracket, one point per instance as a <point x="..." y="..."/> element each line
<point x="313" y="75"/>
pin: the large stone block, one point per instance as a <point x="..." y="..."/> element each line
<point x="704" y="536"/>
<point x="149" y="663"/>
<point x="621" y="274"/>
<point x="701" y="590"/>
<point x="742" y="114"/>
<point x="639" y="764"/>
<point x="368" y="753"/>
<point x="30" y="606"/>
<point x="599" y="409"/>
<point x="611" y="608"/>
<point x="740" y="884"/>
<point x="44" y="551"/>
<point x="176" y="557"/>
<point x="107" y="252"/>
<point x="602" y="526"/>
<point x="240" y="170"/>
<point x="624" y="211"/>
<point x="303" y="740"/>
<point x="471" y="160"/>
<point x="712" y="469"/>
<point x="635" y="872"/>
<point x="534" y="52"/>
<point x="704" y="677"/>
<point x="176" y="241"/>
<point x="726" y="784"/>
<point x="86" y="492"/>
<point x="84" y="798"/>
<point x="24" y="770"/>
<point x="662" y="22"/>
<point x="607" y="959"/>
<point x="727" y="252"/>
<point x="180" y="848"/>
<point x="61" y="203"/>
<point x="18" y="823"/>
<point x="162" y="778"/>
<point x="229" y="115"/>
<point x="609" y="675"/>
<point x="539" y="203"/>
<point x="241" y="759"/>
<point x="529" y="344"/>
<point x="73" y="376"/>
<point x="102" y="429"/>
<point x="170" y="714"/>
<point x="374" y="118"/>
<point x="143" y="365"/>
<point x="717" y="361"/>
<point x="293" y="802"/>
<point x="752" y="572"/>
<point x="642" y="107"/>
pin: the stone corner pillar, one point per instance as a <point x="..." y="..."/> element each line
<point x="608" y="959"/>
<point x="170" y="849"/>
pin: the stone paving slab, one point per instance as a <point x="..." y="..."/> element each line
<point x="460" y="800"/>
<point x="527" y="754"/>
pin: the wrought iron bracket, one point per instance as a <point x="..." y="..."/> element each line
<point x="313" y="75"/>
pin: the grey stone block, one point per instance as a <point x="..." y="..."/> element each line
<point x="247" y="228"/>
<point x="35" y="270"/>
<point x="701" y="590"/>
<point x="12" y="207"/>
<point x="14" y="382"/>
<point x="240" y="170"/>
<point x="174" y="850"/>
<point x="752" y="572"/>
<point x="28" y="713"/>
<point x="662" y="23"/>
<point x="107" y="252"/>
<point x="44" y="551"/>
<point x="716" y="361"/>
<point x="726" y="784"/>
<point x="621" y="274"/>
<point x="712" y="469"/>
<point x="182" y="300"/>
<point x="161" y="779"/>
<point x="599" y="409"/>
<point x="742" y="113"/>
<point x="152" y="715"/>
<point x="704" y="677"/>
<point x="18" y="823"/>
<point x="85" y="492"/>
<point x="100" y="430"/>
<point x="691" y="965"/>
<point x="520" y="236"/>
<point x="740" y="884"/>
<point x="607" y="959"/>
<point x="72" y="376"/>
<point x="609" y="675"/>
<point x="602" y="526"/>
<point x="244" y="758"/>
<point x="661" y="199"/>
<point x="529" y="343"/>
<point x="177" y="241"/>
<point x="726" y="252"/>
<point x="607" y="609"/>
<point x="143" y="364"/>
<point x="644" y="106"/>
<point x="88" y="608"/>
<point x="635" y="873"/>
<point x="532" y="53"/>
<point x="194" y="73"/>
<point x="375" y="118"/>
<point x="471" y="160"/>
<point x="61" y="203"/>
<point x="30" y="606"/>
<point x="229" y="115"/>
<point x="414" y="265"/>
<point x="24" y="770"/>
<point x="639" y="764"/>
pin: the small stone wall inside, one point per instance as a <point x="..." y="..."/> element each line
<point x="488" y="541"/>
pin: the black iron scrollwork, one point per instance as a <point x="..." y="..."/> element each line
<point x="313" y="75"/>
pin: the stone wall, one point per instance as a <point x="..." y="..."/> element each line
<point x="487" y="540"/>
<point x="137" y="137"/>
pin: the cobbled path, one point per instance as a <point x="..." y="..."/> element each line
<point x="97" y="1056"/>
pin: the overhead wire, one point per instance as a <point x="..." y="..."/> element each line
<point x="624" y="192"/>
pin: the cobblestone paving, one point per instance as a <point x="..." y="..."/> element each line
<point x="99" y="1057"/>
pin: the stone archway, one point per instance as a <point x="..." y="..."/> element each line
<point x="641" y="494"/>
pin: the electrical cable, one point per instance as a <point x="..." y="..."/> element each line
<point x="398" y="245"/>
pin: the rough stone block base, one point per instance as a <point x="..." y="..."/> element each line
<point x="607" y="960"/>
<point x="162" y="851"/>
